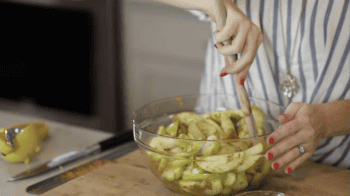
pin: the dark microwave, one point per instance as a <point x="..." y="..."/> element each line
<point x="64" y="55"/>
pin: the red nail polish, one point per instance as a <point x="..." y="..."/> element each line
<point x="270" y="155"/>
<point x="216" y="46"/>
<point x="271" y="141"/>
<point x="289" y="170"/>
<point x="223" y="74"/>
<point x="242" y="82"/>
<point x="276" y="166"/>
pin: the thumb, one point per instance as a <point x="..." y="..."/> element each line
<point x="290" y="112"/>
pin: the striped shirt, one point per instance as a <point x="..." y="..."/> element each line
<point x="320" y="61"/>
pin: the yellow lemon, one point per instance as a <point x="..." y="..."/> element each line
<point x="27" y="143"/>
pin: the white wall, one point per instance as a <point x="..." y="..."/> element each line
<point x="164" y="52"/>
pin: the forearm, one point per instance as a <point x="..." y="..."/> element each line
<point x="336" y="117"/>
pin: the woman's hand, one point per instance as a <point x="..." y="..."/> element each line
<point x="246" y="39"/>
<point x="302" y="124"/>
<point x="245" y="35"/>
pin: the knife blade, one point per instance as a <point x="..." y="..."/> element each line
<point x="50" y="183"/>
<point x="73" y="156"/>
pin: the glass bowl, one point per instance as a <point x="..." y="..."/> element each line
<point x="261" y="193"/>
<point x="197" y="166"/>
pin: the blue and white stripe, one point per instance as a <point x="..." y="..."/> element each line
<point x="321" y="60"/>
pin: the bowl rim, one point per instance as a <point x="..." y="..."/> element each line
<point x="204" y="94"/>
<point x="261" y="191"/>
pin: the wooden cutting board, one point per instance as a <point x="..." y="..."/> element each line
<point x="129" y="176"/>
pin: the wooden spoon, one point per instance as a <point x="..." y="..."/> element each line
<point x="242" y="93"/>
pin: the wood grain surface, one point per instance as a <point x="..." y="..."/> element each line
<point x="130" y="176"/>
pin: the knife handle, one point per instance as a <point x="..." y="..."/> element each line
<point x="116" y="140"/>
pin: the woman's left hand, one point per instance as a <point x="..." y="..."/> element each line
<point x="301" y="124"/>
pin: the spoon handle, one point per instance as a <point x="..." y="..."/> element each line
<point x="242" y="92"/>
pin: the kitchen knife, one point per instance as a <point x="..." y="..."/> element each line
<point x="58" y="162"/>
<point x="50" y="183"/>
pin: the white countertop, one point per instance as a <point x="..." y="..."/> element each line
<point x="62" y="139"/>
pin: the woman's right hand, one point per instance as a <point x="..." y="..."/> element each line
<point x="245" y="35"/>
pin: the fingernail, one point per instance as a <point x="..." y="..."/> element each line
<point x="270" y="156"/>
<point x="223" y="74"/>
<point x="289" y="170"/>
<point x="242" y="82"/>
<point x="276" y="166"/>
<point x="271" y="141"/>
<point x="216" y="46"/>
<point x="217" y="31"/>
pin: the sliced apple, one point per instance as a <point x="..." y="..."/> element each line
<point x="191" y="150"/>
<point x="203" y="176"/>
<point x="259" y="116"/>
<point x="162" y="164"/>
<point x="190" y="186"/>
<point x="239" y="145"/>
<point x="211" y="187"/>
<point x="195" y="131"/>
<point x="161" y="130"/>
<point x="155" y="156"/>
<point x="258" y="148"/>
<point x="172" y="174"/>
<point x="215" y="188"/>
<point x="242" y="127"/>
<point x="230" y="179"/>
<point x="206" y="128"/>
<point x="210" y="148"/>
<point x="248" y="162"/>
<point x="227" y="126"/>
<point x="206" y="116"/>
<point x="241" y="181"/>
<point x="220" y="163"/>
<point x="215" y="116"/>
<point x="251" y="156"/>
<point x="266" y="168"/>
<point x="187" y="117"/>
<point x="226" y="190"/>
<point x="260" y="131"/>
<point x="162" y="143"/>
<point x="172" y="129"/>
<point x="179" y="163"/>
<point x="227" y="149"/>
<point x="182" y="129"/>
<point x="257" y="179"/>
<point x="236" y="114"/>
<point x="219" y="130"/>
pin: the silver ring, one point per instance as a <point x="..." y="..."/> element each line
<point x="301" y="149"/>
